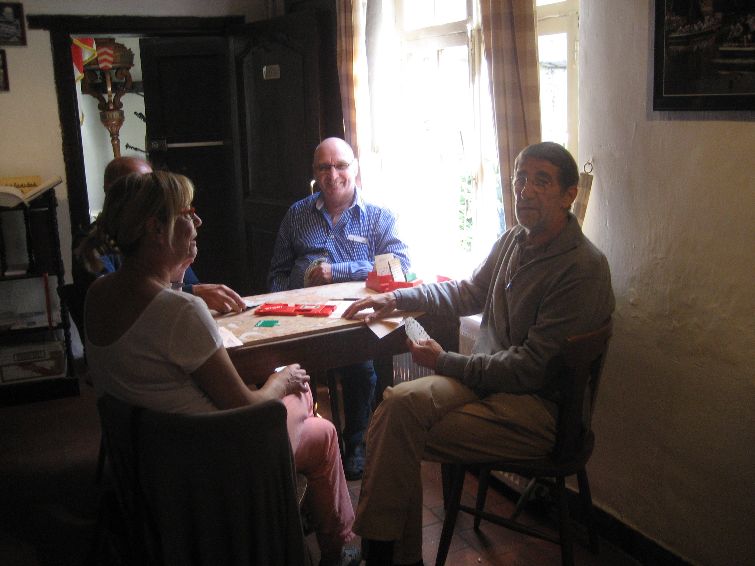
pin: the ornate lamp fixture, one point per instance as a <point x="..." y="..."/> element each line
<point x="108" y="78"/>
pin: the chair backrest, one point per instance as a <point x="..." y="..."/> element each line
<point x="215" y="488"/>
<point x="578" y="369"/>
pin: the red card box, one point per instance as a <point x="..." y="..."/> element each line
<point x="385" y="283"/>
<point x="315" y="310"/>
<point x="284" y="309"/>
<point x="277" y="309"/>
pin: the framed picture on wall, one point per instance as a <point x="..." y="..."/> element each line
<point x="704" y="55"/>
<point x="12" y="25"/>
<point x="4" y="85"/>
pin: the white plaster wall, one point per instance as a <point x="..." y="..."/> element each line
<point x="672" y="207"/>
<point x="30" y="137"/>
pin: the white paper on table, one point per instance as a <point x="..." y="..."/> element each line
<point x="384" y="326"/>
<point x="229" y="338"/>
<point x="341" y="306"/>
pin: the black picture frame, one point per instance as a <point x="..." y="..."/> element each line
<point x="4" y="83"/>
<point x="12" y="24"/>
<point x="704" y="55"/>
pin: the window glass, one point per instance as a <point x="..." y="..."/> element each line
<point x="438" y="128"/>
<point x="553" y="87"/>
<point x="426" y="13"/>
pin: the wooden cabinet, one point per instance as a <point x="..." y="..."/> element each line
<point x="35" y="341"/>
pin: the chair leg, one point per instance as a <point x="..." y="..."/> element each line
<point x="452" y="511"/>
<point x="482" y="494"/>
<point x="524" y="498"/>
<point x="586" y="499"/>
<point x="446" y="479"/>
<point x="564" y="524"/>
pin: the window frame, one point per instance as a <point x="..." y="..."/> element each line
<point x="563" y="17"/>
<point x="461" y="33"/>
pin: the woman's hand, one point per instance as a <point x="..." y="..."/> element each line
<point x="383" y="304"/>
<point x="425" y="353"/>
<point x="290" y="380"/>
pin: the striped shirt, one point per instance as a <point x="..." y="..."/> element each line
<point x="307" y="234"/>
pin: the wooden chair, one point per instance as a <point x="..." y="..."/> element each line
<point x="578" y="369"/>
<point x="215" y="488"/>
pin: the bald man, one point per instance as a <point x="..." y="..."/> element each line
<point x="333" y="236"/>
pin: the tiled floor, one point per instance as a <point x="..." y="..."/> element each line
<point x="48" y="500"/>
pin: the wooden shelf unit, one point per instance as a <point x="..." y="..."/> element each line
<point x="36" y="360"/>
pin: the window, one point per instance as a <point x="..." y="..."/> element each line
<point x="430" y="153"/>
<point x="433" y="137"/>
<point x="557" y="23"/>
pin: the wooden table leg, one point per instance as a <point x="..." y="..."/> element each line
<point x="384" y="371"/>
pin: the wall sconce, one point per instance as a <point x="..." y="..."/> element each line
<point x="108" y="78"/>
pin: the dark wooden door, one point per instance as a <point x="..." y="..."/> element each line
<point x="241" y="116"/>
<point x="285" y="109"/>
<point x="191" y="129"/>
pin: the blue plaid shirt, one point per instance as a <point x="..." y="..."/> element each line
<point x="307" y="233"/>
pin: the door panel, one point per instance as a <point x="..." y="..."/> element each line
<point x="277" y="64"/>
<point x="243" y="125"/>
<point x="190" y="109"/>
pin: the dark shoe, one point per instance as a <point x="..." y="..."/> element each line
<point x="353" y="464"/>
<point x="350" y="556"/>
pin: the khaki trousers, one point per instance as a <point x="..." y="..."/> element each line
<point x="438" y="418"/>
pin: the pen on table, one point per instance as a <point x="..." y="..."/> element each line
<point x="346" y="299"/>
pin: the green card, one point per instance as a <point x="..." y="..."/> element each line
<point x="267" y="323"/>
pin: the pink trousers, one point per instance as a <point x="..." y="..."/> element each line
<point x="316" y="456"/>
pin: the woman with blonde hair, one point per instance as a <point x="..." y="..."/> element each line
<point x="158" y="348"/>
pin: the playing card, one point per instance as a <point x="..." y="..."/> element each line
<point x="414" y="330"/>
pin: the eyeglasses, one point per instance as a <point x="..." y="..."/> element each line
<point x="325" y="167"/>
<point x="539" y="184"/>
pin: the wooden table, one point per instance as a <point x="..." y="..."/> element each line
<point x="316" y="343"/>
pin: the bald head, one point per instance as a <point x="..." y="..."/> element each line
<point x="334" y="146"/>
<point x="335" y="169"/>
<point x="122" y="166"/>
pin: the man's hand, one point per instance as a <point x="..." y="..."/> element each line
<point x="219" y="297"/>
<point x="321" y="274"/>
<point x="383" y="304"/>
<point x="425" y="353"/>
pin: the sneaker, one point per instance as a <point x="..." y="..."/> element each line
<point x="350" y="556"/>
<point x="353" y="464"/>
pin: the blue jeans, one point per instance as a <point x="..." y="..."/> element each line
<point x="358" y="386"/>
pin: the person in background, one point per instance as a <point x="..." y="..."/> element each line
<point x="330" y="237"/>
<point x="543" y="282"/>
<point x="155" y="347"/>
<point x="217" y="296"/>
